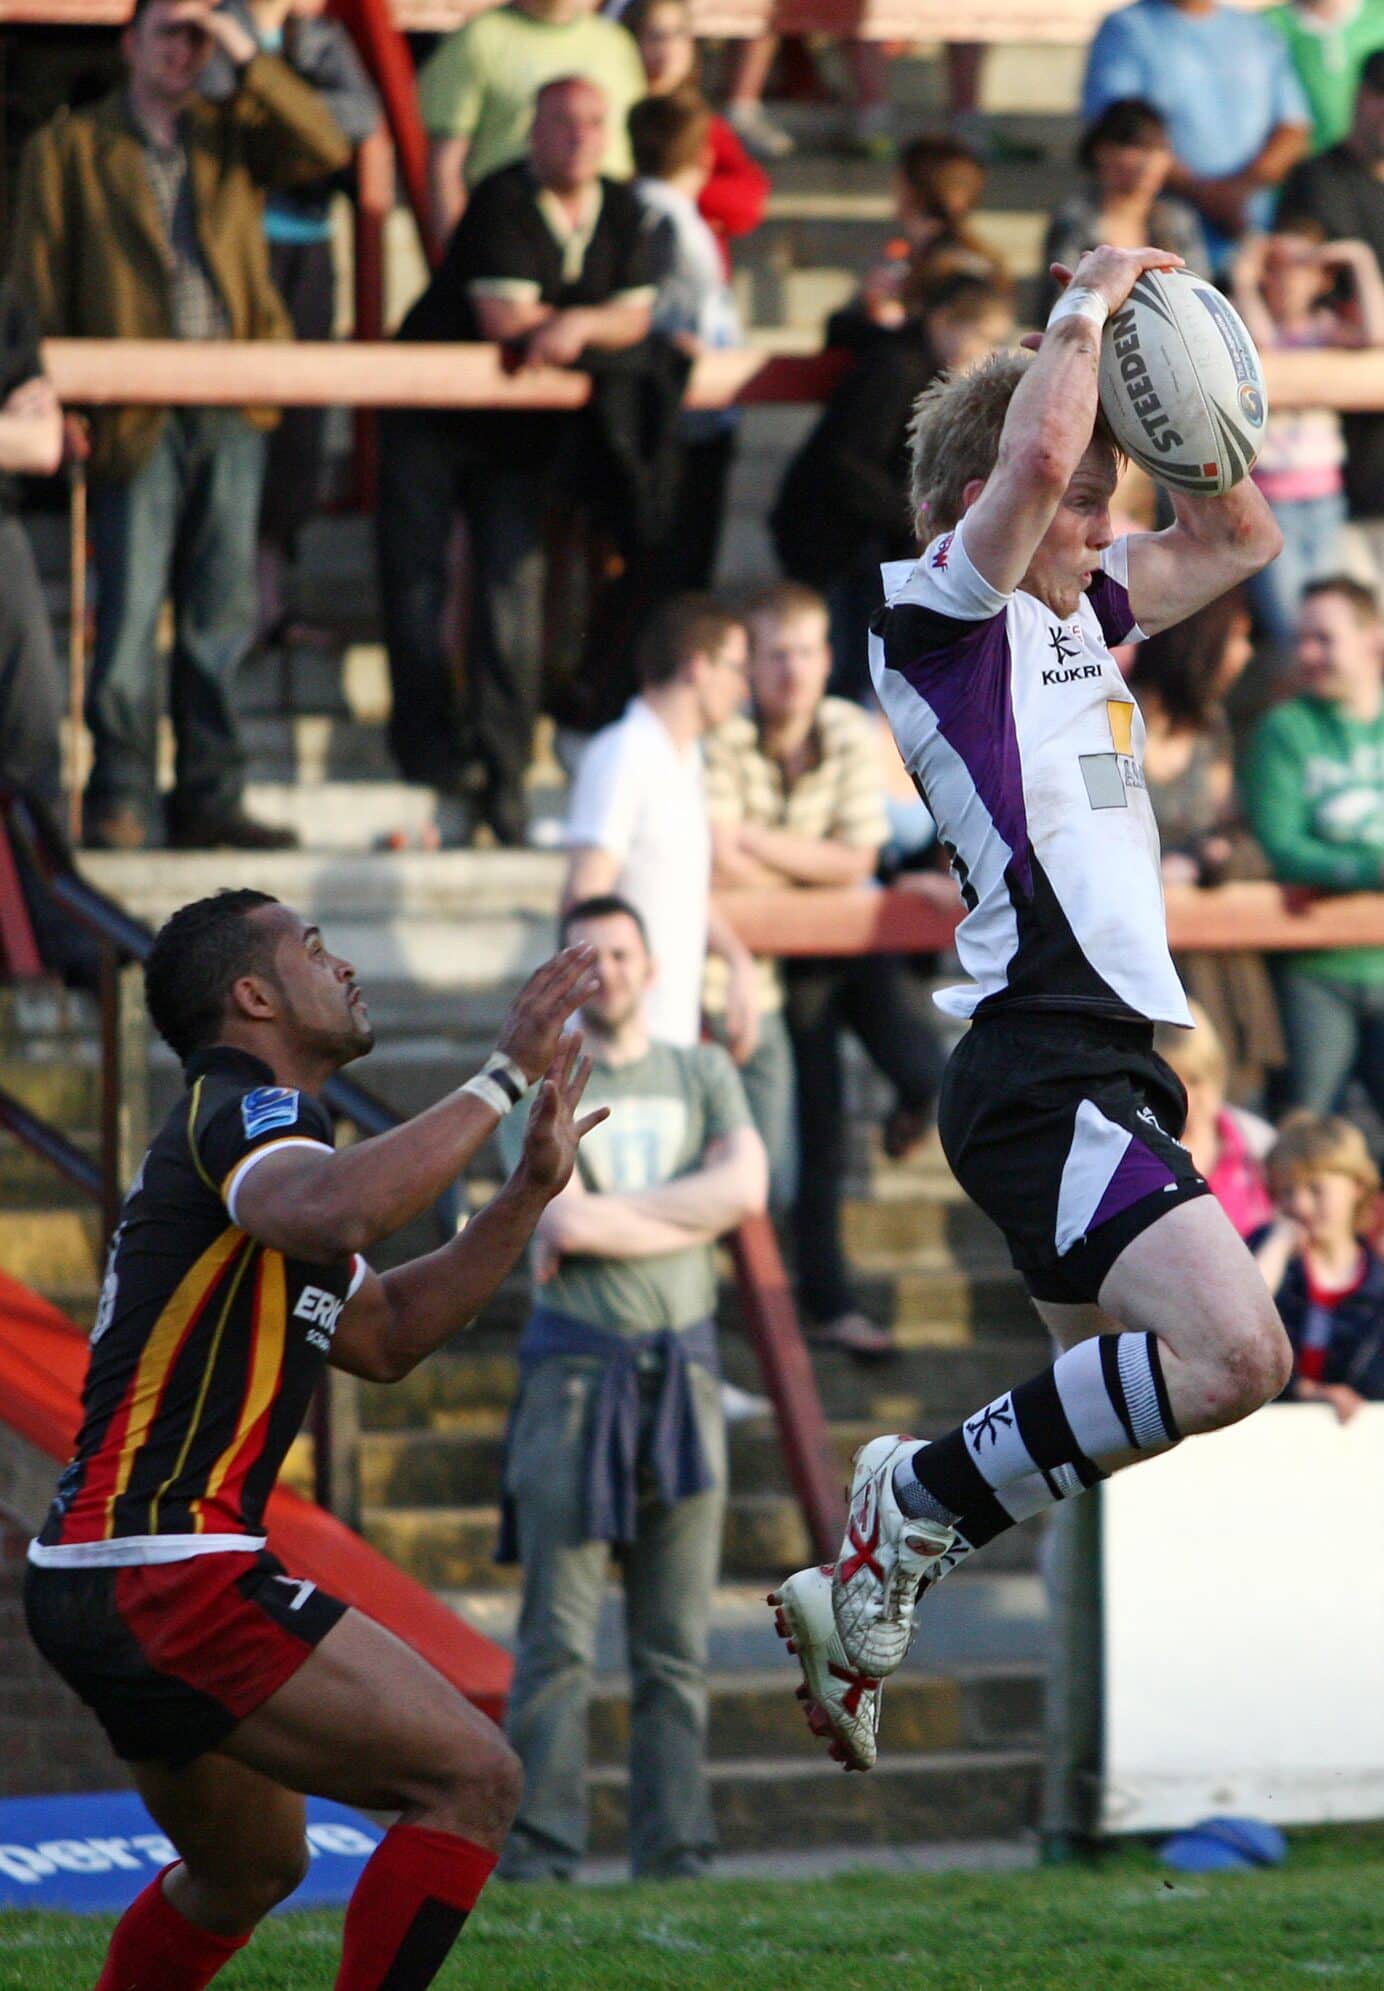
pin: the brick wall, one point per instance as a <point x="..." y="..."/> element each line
<point x="49" y="1742"/>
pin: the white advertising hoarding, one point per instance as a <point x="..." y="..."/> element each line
<point x="1243" y="1584"/>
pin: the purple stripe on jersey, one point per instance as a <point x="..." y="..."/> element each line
<point x="1139" y="1172"/>
<point x="967" y="684"/>
<point x="1112" y="606"/>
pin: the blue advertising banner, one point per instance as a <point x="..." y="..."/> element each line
<point x="94" y="1853"/>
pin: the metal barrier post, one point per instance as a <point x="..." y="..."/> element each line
<point x="767" y="1302"/>
<point x="1073" y="1739"/>
<point x="124" y="1080"/>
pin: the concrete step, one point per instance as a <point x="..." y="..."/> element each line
<point x="983" y="1617"/>
<point x="754" y="1713"/>
<point x="893" y="1230"/>
<point x="52" y="1249"/>
<point x="772" y="1801"/>
<point x="450" y="1547"/>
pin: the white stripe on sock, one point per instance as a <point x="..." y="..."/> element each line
<point x="1080" y="1383"/>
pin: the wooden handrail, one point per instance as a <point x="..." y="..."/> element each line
<point x="1264" y="918"/>
<point x="382" y="374"/>
<point x="1059" y="21"/>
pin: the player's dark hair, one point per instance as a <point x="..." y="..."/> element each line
<point x="688" y="626"/>
<point x="668" y="134"/>
<point x="1178" y="667"/>
<point x="198" y="953"/>
<point x="1128" y="121"/>
<point x="602" y="905"/>
<point x="1363" y="601"/>
<point x="1372" y="73"/>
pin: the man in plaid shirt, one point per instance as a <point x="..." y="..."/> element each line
<point x="794" y="790"/>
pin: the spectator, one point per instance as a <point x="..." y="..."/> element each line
<point x="1126" y="159"/>
<point x="795" y="796"/>
<point x="31" y="443"/>
<point x="297" y="224"/>
<point x="696" y="308"/>
<point x="1342" y="194"/>
<point x="937" y="184"/>
<point x="841" y="509"/>
<point x="1232" y="141"/>
<point x="1319" y="1265"/>
<point x="143" y="218"/>
<point x="1329" y="41"/>
<point x="1227" y="1143"/>
<point x="617" y="1441"/>
<point x="1284" y="286"/>
<point x="555" y="263"/>
<point x="479" y="89"/>
<point x="637" y="821"/>
<point x="1313" y="785"/>
<point x="733" y="199"/>
<point x="1181" y="678"/>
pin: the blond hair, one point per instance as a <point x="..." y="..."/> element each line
<point x="1322" y="1144"/>
<point x="1196" y="1055"/>
<point x="954" y="436"/>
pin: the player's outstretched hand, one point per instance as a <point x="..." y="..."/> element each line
<point x="533" y="1027"/>
<point x="554" y="1132"/>
<point x="1111" y="272"/>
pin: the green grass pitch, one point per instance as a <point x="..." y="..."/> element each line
<point x="1125" y="1924"/>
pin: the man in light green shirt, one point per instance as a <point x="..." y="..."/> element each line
<point x="617" y="1443"/>
<point x="1328" y="41"/>
<point x="1313" y="786"/>
<point x="477" y="90"/>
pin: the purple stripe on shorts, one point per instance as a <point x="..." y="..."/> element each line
<point x="967" y="684"/>
<point x="1139" y="1172"/>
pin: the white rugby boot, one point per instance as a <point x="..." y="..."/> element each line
<point x="841" y="1703"/>
<point x="883" y="1560"/>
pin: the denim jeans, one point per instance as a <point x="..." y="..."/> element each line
<point x="1334" y="1030"/>
<point x="669" y="1575"/>
<point x="879" y="999"/>
<point x="182" y="527"/>
<point x="1312" y="529"/>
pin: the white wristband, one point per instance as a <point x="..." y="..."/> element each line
<point x="500" y="1083"/>
<point x="1077" y="301"/>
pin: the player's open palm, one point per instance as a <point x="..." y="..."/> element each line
<point x="554" y="1132"/>
<point x="533" y="1028"/>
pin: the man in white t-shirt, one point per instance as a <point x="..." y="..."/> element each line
<point x="637" y="822"/>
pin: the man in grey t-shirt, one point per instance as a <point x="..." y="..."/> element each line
<point x="617" y="1441"/>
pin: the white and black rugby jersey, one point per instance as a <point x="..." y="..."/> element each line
<point x="1026" y="744"/>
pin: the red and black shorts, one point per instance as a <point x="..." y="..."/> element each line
<point x="170" y="1656"/>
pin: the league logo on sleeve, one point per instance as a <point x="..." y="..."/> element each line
<point x="268" y="1106"/>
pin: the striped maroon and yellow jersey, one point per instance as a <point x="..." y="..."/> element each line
<point x="207" y="1344"/>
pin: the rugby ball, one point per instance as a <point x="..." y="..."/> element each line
<point x="1181" y="383"/>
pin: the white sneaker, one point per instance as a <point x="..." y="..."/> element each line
<point x="757" y="131"/>
<point x="841" y="1704"/>
<point x="883" y="1560"/>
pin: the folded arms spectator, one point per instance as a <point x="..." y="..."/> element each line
<point x="478" y="91"/>
<point x="554" y="263"/>
<point x="1233" y="141"/>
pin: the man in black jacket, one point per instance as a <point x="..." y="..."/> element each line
<point x="552" y="262"/>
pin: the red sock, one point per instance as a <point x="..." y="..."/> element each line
<point x="408" y="1908"/>
<point x="154" y="1948"/>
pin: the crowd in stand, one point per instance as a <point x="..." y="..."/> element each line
<point x="587" y="199"/>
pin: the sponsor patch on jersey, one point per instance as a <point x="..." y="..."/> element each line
<point x="266" y="1107"/>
